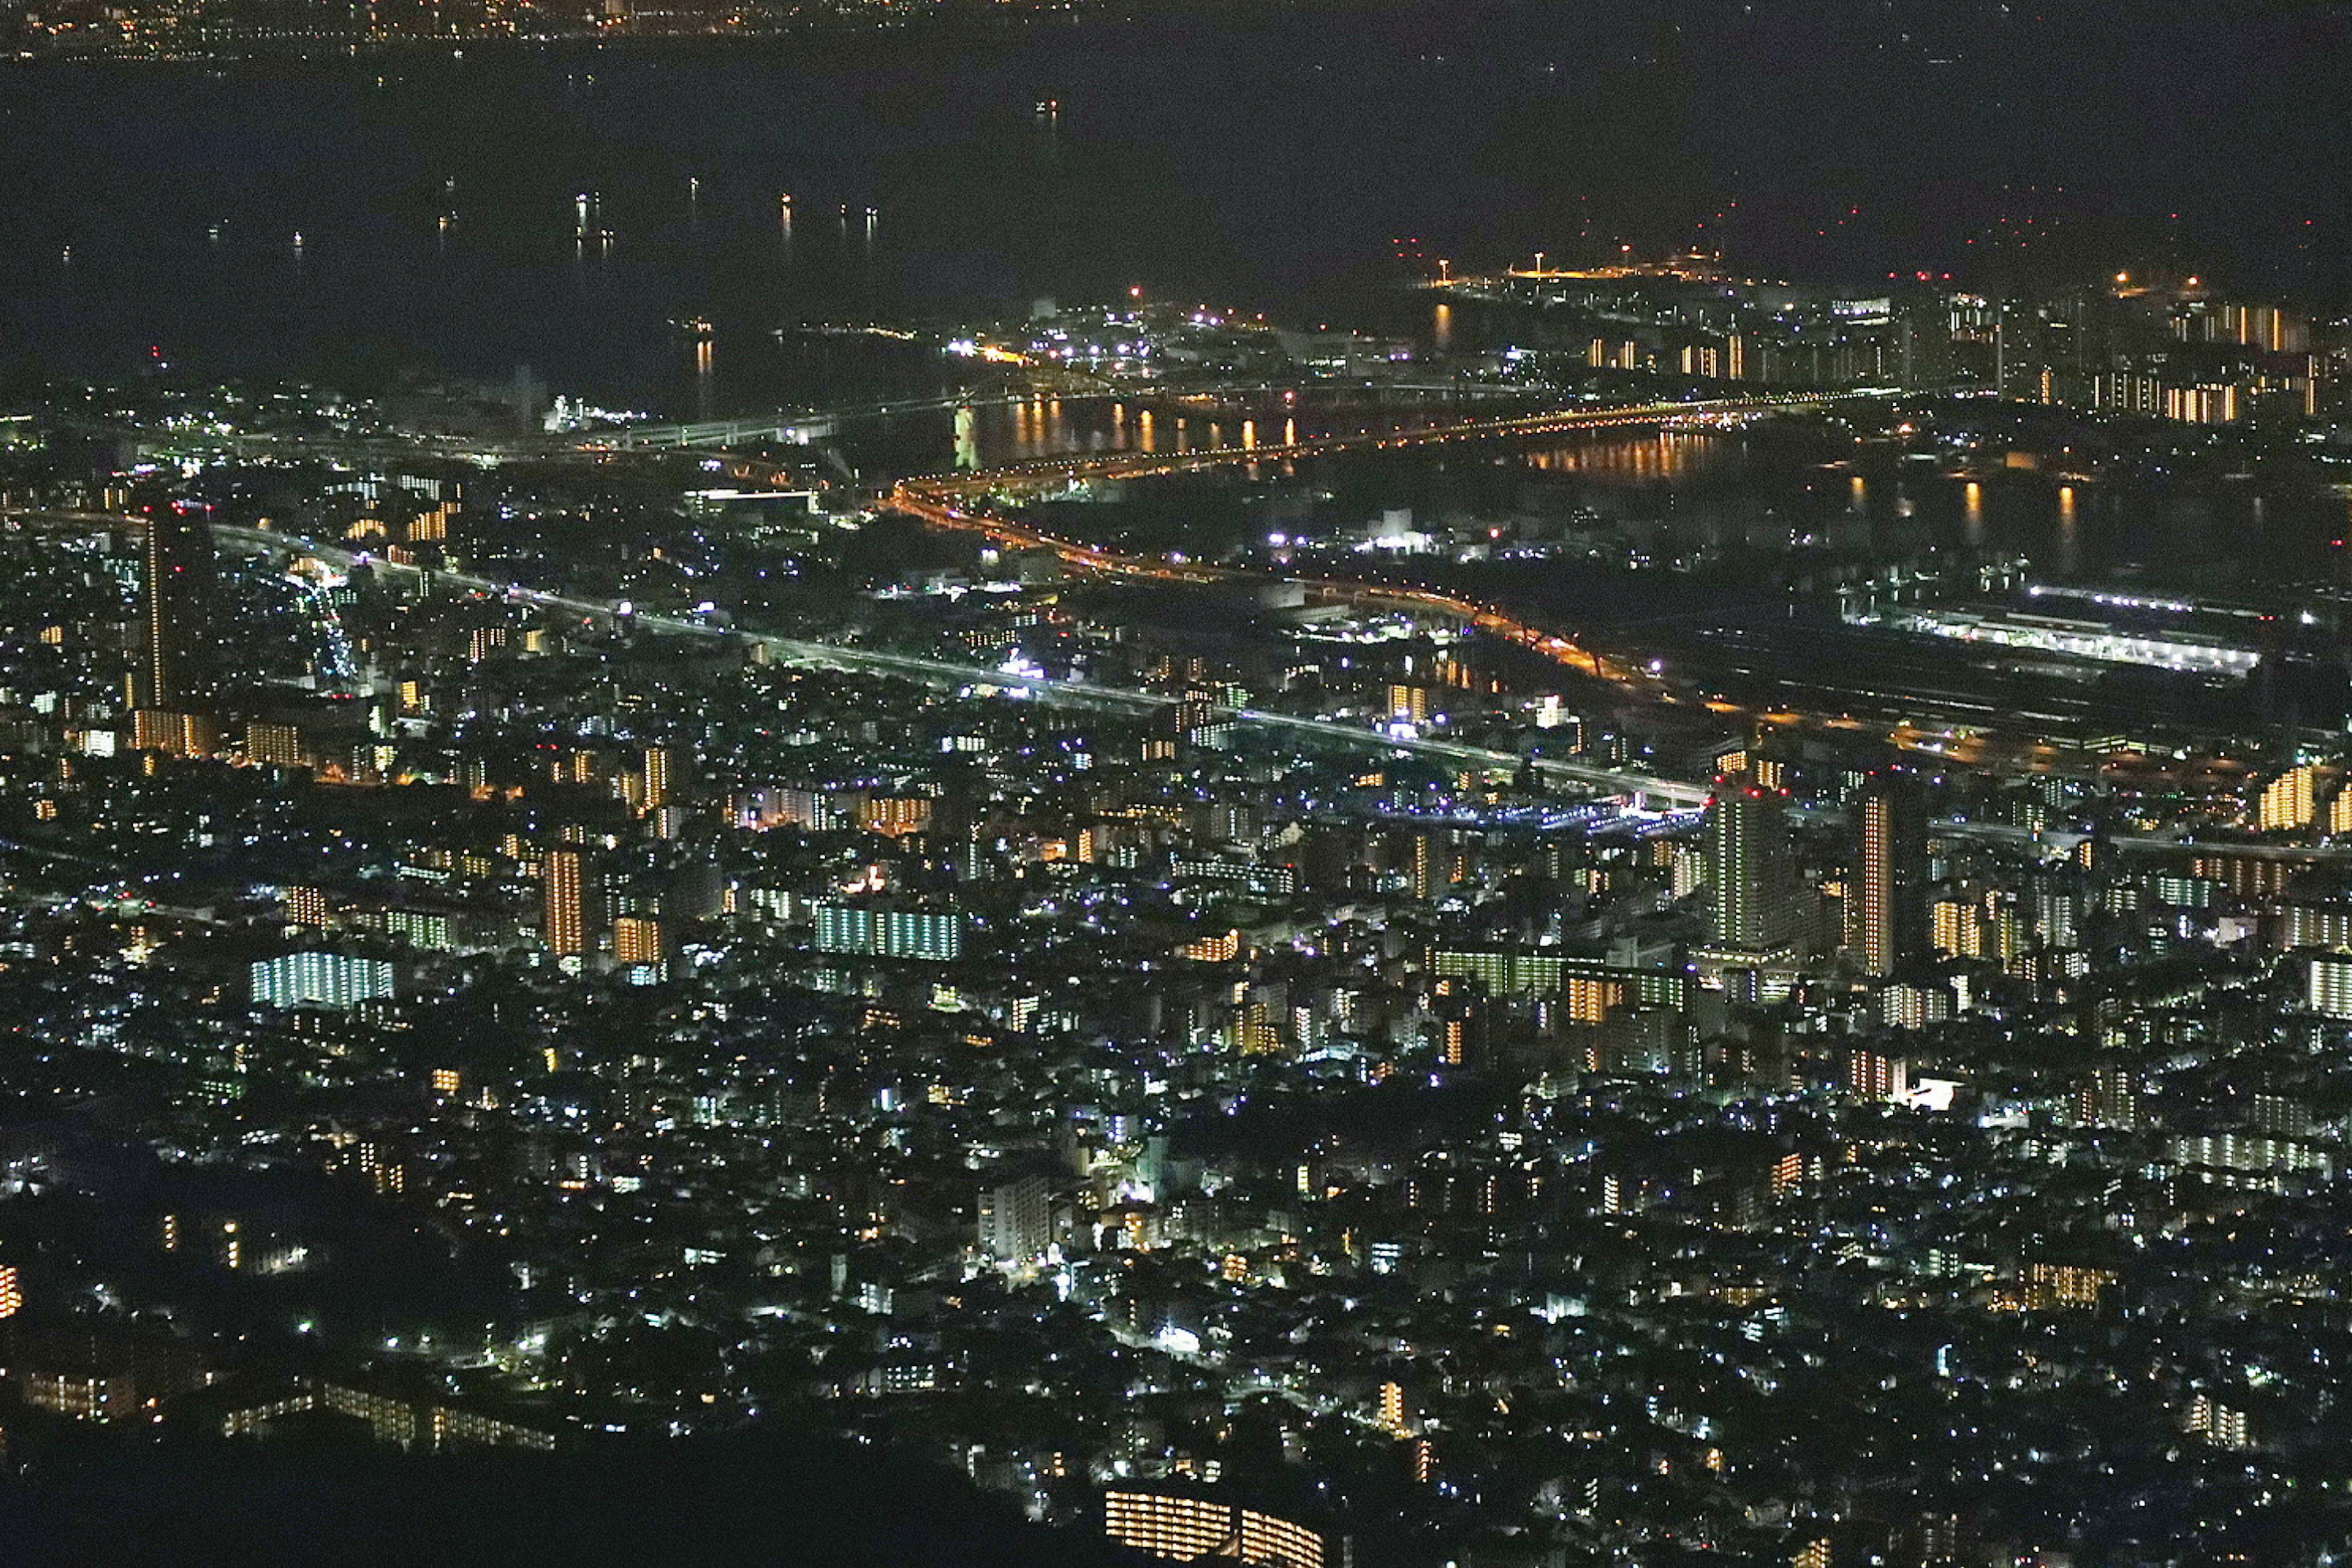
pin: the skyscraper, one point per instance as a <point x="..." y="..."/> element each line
<point x="1749" y="865"/>
<point x="1886" y="905"/>
<point x="661" y="776"/>
<point x="178" y="596"/>
<point x="570" y="917"/>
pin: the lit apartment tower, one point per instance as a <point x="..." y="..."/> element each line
<point x="1749" y="865"/>
<point x="1875" y="1075"/>
<point x="570" y="912"/>
<point x="177" y="599"/>
<point x="662" y="771"/>
<point x="2329" y="987"/>
<point x="639" y="940"/>
<point x="275" y="745"/>
<point x="1887" y="899"/>
<point x="2284" y="805"/>
<point x="2110" y="1098"/>
<point x="1015" y="1219"/>
<point x="1422" y="867"/>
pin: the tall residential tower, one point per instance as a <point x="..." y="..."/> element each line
<point x="1886" y="897"/>
<point x="1749" y="865"/>
<point x="177" y="603"/>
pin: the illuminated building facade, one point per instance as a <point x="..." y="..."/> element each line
<point x="661" y="776"/>
<point x="888" y="933"/>
<point x="275" y="745"/>
<point x="2329" y="987"/>
<point x="1748" y="866"/>
<point x="320" y="979"/>
<point x="1185" y="1529"/>
<point x="1887" y="903"/>
<point x="568" y="922"/>
<point x="176" y="597"/>
<point x="639" y="938"/>
<point x="1015" y="1219"/>
<point x="1589" y="982"/>
<point x="2285" y="804"/>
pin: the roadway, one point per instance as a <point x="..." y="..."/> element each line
<point x="1551" y="422"/>
<point x="959" y="501"/>
<point x="799" y="426"/>
<point x="1638" y="787"/>
<point x="946" y="501"/>
<point x="803" y="425"/>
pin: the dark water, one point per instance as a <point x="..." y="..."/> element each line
<point x="1281" y="161"/>
<point x="1760" y="495"/>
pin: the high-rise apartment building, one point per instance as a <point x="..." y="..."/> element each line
<point x="176" y="601"/>
<point x="1750" y="867"/>
<point x="1016" y="1220"/>
<point x="663" y="771"/>
<point x="1886" y="905"/>
<point x="639" y="940"/>
<point x="569" y="915"/>
<point x="2329" y="987"/>
<point x="2285" y="802"/>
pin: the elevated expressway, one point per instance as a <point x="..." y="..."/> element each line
<point x="1642" y="788"/>
<point x="963" y="501"/>
<point x="959" y="502"/>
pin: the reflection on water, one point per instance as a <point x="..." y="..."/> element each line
<point x="988" y="434"/>
<point x="1678" y="491"/>
<point x="692" y="149"/>
<point x="2211" y="538"/>
<point x="1671" y="456"/>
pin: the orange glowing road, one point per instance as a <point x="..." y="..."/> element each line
<point x="959" y="501"/>
<point x="1489" y="618"/>
<point x="954" y="501"/>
